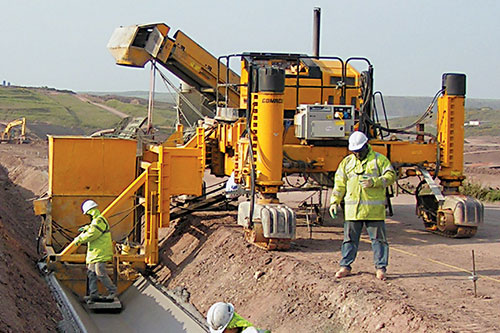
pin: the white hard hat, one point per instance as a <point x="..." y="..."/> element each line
<point x="250" y="329"/>
<point x="357" y="140"/>
<point x="88" y="205"/>
<point x="219" y="315"/>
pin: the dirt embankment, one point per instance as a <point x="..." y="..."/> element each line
<point x="27" y="304"/>
<point x="292" y="291"/>
<point x="428" y="287"/>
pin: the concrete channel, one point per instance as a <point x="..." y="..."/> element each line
<point x="146" y="308"/>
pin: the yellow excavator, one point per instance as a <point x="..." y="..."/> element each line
<point x="283" y="114"/>
<point x="7" y="132"/>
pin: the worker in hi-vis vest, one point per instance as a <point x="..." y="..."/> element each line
<point x="99" y="251"/>
<point x="361" y="180"/>
<point x="221" y="318"/>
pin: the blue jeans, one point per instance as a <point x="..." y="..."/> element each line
<point x="376" y="231"/>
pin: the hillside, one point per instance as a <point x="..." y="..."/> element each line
<point x="159" y="96"/>
<point x="489" y="122"/>
<point x="66" y="112"/>
<point x="401" y="106"/>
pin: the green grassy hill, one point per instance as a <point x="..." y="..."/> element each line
<point x="159" y="96"/>
<point x="64" y="109"/>
<point x="163" y="116"/>
<point x="403" y="106"/>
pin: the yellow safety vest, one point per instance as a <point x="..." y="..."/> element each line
<point x="363" y="203"/>
<point x="98" y="238"/>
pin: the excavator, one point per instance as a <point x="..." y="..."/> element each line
<point x="7" y="132"/>
<point x="276" y="114"/>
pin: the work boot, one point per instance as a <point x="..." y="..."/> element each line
<point x="343" y="272"/>
<point x="92" y="298"/>
<point x="380" y="274"/>
<point x="111" y="296"/>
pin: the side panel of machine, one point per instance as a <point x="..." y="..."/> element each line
<point x="90" y="168"/>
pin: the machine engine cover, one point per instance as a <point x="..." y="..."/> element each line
<point x="467" y="211"/>
<point x="278" y="220"/>
<point x="324" y="122"/>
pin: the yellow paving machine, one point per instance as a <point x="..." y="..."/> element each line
<point x="277" y="114"/>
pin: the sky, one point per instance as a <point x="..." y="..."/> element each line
<point x="411" y="43"/>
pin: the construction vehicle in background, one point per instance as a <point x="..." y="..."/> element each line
<point x="7" y="134"/>
<point x="283" y="114"/>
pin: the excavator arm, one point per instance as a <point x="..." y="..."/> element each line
<point x="136" y="45"/>
<point x="6" y="134"/>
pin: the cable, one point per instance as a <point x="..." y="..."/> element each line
<point x="302" y="165"/>
<point x="252" y="175"/>
<point x="366" y="96"/>
<point x="134" y="227"/>
<point x="124" y="211"/>
<point x="427" y="112"/>
<point x="123" y="218"/>
<point x="398" y="131"/>
<point x="187" y="101"/>
<point x="404" y="130"/>
<point x="383" y="106"/>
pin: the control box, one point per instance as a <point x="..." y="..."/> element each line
<point x="323" y="122"/>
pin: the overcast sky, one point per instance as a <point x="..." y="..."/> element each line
<point x="62" y="43"/>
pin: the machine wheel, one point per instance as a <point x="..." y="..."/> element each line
<point x="445" y="221"/>
<point x="466" y="232"/>
<point x="255" y="236"/>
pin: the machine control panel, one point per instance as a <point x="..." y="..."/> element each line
<point x="323" y="122"/>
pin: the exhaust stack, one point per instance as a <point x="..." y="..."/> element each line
<point x="316" y="27"/>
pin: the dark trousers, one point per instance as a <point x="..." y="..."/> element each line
<point x="376" y="231"/>
<point x="98" y="271"/>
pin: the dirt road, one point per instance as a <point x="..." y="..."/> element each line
<point x="102" y="106"/>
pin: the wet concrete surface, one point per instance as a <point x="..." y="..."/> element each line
<point x="145" y="309"/>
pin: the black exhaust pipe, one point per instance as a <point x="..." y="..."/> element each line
<point x="316" y="26"/>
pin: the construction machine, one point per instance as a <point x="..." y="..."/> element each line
<point x="291" y="113"/>
<point x="7" y="132"/>
<point x="278" y="114"/>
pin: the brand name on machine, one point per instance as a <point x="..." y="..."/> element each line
<point x="272" y="100"/>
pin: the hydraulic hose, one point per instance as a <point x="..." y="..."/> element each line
<point x="250" y="146"/>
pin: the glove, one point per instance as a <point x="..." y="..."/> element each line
<point x="333" y="211"/>
<point x="84" y="228"/>
<point x="366" y="182"/>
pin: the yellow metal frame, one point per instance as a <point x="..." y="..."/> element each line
<point x="451" y="117"/>
<point x="169" y="171"/>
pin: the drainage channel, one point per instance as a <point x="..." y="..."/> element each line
<point x="147" y="307"/>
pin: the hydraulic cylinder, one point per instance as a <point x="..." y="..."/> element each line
<point x="267" y="128"/>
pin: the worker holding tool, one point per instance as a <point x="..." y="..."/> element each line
<point x="361" y="180"/>
<point x="99" y="251"/>
<point x="221" y="318"/>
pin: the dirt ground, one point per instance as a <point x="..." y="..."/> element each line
<point x="482" y="162"/>
<point x="27" y="304"/>
<point x="428" y="289"/>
